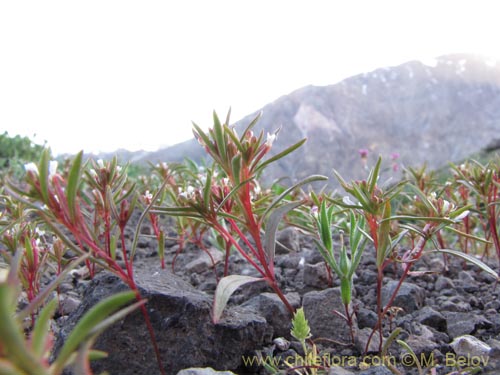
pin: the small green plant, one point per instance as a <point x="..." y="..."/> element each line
<point x="345" y="266"/>
<point x="387" y="230"/>
<point x="479" y="186"/>
<point x="228" y="203"/>
<point x="93" y="205"/>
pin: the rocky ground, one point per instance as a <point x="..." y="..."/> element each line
<point x="449" y="318"/>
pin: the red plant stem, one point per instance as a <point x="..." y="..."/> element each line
<point x="180" y="242"/>
<point x="226" y="258"/>
<point x="229" y="238"/>
<point x="349" y="321"/>
<point x="417" y="253"/>
<point x="244" y="238"/>
<point x="372" y="223"/>
<point x="128" y="263"/>
<point x="266" y="272"/>
<point x="127" y="277"/>
<point x="107" y="231"/>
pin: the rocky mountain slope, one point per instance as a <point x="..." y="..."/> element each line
<point x="424" y="112"/>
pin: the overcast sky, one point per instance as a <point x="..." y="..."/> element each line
<point x="102" y="75"/>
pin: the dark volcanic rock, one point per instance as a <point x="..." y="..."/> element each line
<point x="460" y="323"/>
<point x="432" y="318"/>
<point x="180" y="316"/>
<point x="410" y="297"/>
<point x="274" y="311"/>
<point x="319" y="308"/>
<point x="287" y="240"/>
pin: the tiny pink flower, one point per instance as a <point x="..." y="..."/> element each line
<point x="363" y="152"/>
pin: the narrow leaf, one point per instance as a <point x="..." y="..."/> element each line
<point x="43" y="174"/>
<point x="272" y="227"/>
<point x="251" y="125"/>
<point x="93" y="317"/>
<point x="39" y="336"/>
<point x="219" y="137"/>
<point x="374" y="174"/>
<point x="73" y="182"/>
<point x="225" y="289"/>
<point x="471" y="259"/>
<point x="280" y="155"/>
<point x="290" y="189"/>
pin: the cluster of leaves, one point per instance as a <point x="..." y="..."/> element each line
<point x="27" y="303"/>
<point x="87" y="206"/>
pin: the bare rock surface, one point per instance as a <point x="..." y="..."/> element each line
<point x="180" y="316"/>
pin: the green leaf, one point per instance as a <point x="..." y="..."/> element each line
<point x="463" y="234"/>
<point x="73" y="182"/>
<point x="225" y="289"/>
<point x="161" y="245"/>
<point x="346" y="290"/>
<point x="290" y="189"/>
<point x="373" y="176"/>
<point x="231" y="193"/>
<point x="12" y="335"/>
<point x="280" y="155"/>
<point x="236" y="168"/>
<point x="325" y="218"/>
<point x="230" y="131"/>
<point x="300" y="326"/>
<point x="8" y="368"/>
<point x="207" y="190"/>
<point x="272" y="228"/>
<point x="45" y="292"/>
<point x="328" y="257"/>
<point x="90" y="320"/>
<point x="384" y="237"/>
<point x="40" y="332"/>
<point x="204" y="138"/>
<point x="219" y="138"/>
<point x="471" y="259"/>
<point x="251" y="125"/>
<point x="43" y="174"/>
<point x="430" y="207"/>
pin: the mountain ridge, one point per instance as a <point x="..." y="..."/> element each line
<point x="432" y="113"/>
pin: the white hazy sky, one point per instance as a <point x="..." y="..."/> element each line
<point x="101" y="75"/>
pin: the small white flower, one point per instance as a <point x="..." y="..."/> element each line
<point x="447" y="206"/>
<point x="314" y="211"/>
<point x="31" y="167"/>
<point x="118" y="168"/>
<point x="462" y="216"/>
<point x="256" y="189"/>
<point x="148" y="196"/>
<point x="270" y="139"/>
<point x="100" y="163"/>
<point x="162" y="165"/>
<point x="39" y="232"/>
<point x="433" y="195"/>
<point x="93" y="173"/>
<point x="188" y="193"/>
<point x="52" y="168"/>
